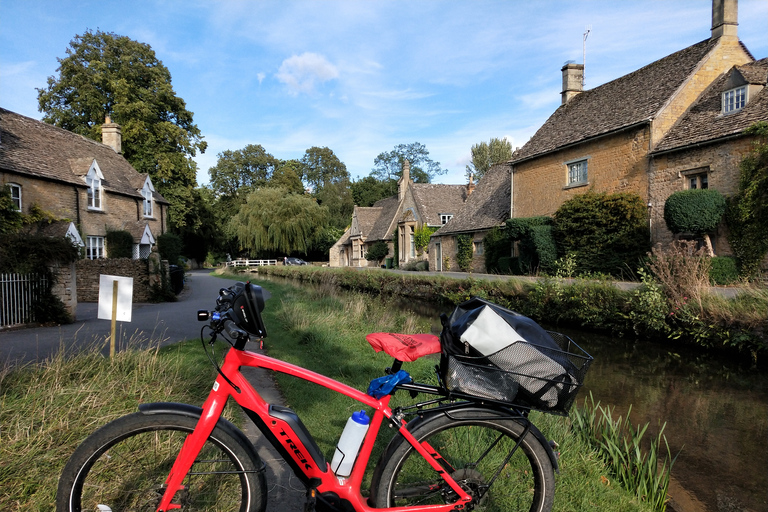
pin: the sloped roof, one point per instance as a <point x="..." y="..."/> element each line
<point x="705" y="121"/>
<point x="381" y="227"/>
<point x="366" y="217"/>
<point x="433" y="199"/>
<point x="621" y="103"/>
<point x="33" y="148"/>
<point x="487" y="207"/>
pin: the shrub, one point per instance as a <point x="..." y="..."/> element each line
<point x="119" y="244"/>
<point x="536" y="245"/>
<point x="464" y="252"/>
<point x="378" y="251"/>
<point x="505" y="264"/>
<point x="496" y="246"/>
<point x="169" y="245"/>
<point x="696" y="211"/>
<point x="608" y="233"/>
<point x="421" y="237"/>
<point x="723" y="270"/>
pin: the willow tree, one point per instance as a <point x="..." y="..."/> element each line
<point x="273" y="220"/>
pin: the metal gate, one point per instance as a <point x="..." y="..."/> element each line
<point x="18" y="295"/>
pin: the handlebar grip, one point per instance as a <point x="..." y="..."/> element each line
<point x="234" y="331"/>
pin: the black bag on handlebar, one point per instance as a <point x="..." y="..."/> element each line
<point x="491" y="352"/>
<point x="246" y="301"/>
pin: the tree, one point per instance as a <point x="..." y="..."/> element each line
<point x="389" y="166"/>
<point x="378" y="251"/>
<point x="274" y="220"/>
<point x="366" y="191"/>
<point x="747" y="213"/>
<point x="105" y="74"/>
<point x="328" y="178"/>
<point x="484" y="155"/>
<point x="288" y="176"/>
<point x="240" y="172"/>
<point x="695" y="211"/>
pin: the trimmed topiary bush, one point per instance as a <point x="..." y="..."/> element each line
<point x="696" y="211"/>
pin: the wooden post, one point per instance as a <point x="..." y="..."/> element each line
<point x="114" y="320"/>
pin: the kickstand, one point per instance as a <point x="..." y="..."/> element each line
<point x="309" y="506"/>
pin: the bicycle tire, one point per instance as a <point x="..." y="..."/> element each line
<point x="474" y="444"/>
<point x="124" y="464"/>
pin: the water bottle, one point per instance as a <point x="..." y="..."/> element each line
<point x="349" y="443"/>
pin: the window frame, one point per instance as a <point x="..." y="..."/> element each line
<point x="95" y="190"/>
<point x="445" y="217"/>
<point x="577" y="178"/>
<point x="95" y="247"/>
<point x="734" y="100"/>
<point x="17" y="199"/>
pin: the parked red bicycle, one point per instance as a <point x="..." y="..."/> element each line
<point x="468" y="446"/>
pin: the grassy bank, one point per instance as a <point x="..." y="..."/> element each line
<point x="687" y="314"/>
<point x="49" y="408"/>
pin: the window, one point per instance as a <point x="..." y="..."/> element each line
<point x="577" y="173"/>
<point x="146" y="192"/>
<point x="93" y="181"/>
<point x="479" y="248"/>
<point x="698" y="181"/>
<point x="445" y="217"/>
<point x="735" y="99"/>
<point x="94" y="248"/>
<point x="413" y="243"/>
<point x="15" y="195"/>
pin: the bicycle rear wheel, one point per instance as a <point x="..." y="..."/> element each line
<point x="123" y="466"/>
<point x="486" y="452"/>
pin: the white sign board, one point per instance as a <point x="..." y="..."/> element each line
<point x="124" y="297"/>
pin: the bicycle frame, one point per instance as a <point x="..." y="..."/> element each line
<point x="298" y="448"/>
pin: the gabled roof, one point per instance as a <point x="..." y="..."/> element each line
<point x="632" y="99"/>
<point x="487" y="207"/>
<point x="434" y="199"/>
<point x="384" y="224"/>
<point x="364" y="219"/>
<point x="33" y="148"/>
<point x="705" y="122"/>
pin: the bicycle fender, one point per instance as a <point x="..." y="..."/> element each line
<point x="195" y="412"/>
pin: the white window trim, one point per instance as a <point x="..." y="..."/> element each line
<point x="734" y="100"/>
<point x="147" y="192"/>
<point x="97" y="244"/>
<point x="569" y="173"/>
<point x="17" y="200"/>
<point x="445" y="217"/>
<point x="93" y="180"/>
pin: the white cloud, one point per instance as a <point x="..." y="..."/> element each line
<point x="301" y="73"/>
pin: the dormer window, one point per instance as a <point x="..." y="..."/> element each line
<point x="146" y="192"/>
<point x="734" y="99"/>
<point x="445" y="217"/>
<point x="95" y="190"/>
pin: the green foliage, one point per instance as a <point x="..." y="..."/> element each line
<point x="607" y="232"/>
<point x="486" y="154"/>
<point x="536" y="246"/>
<point x="119" y="244"/>
<point x="464" y="252"/>
<point x="240" y="172"/>
<point x="421" y="237"/>
<point x="696" y="211"/>
<point x="644" y="471"/>
<point x="496" y="246"/>
<point x="328" y="178"/>
<point x="389" y="165"/>
<point x="288" y="176"/>
<point x="518" y="228"/>
<point x="274" y="220"/>
<point x="366" y="191"/>
<point x="105" y="74"/>
<point x="747" y="213"/>
<point x="10" y="218"/>
<point x="649" y="309"/>
<point x="169" y="246"/>
<point x="378" y="251"/>
<point x="325" y="239"/>
<point x="723" y="270"/>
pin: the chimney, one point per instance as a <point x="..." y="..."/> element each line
<point x="112" y="135"/>
<point x="405" y="180"/>
<point x="573" y="78"/>
<point x="725" y="18"/>
<point x="470" y="185"/>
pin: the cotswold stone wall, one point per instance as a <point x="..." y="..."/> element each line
<point x="88" y="272"/>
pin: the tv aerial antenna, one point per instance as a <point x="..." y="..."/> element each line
<point x="587" y="30"/>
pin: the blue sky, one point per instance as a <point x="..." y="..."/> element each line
<point x="362" y="77"/>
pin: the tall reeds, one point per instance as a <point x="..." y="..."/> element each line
<point x="638" y="463"/>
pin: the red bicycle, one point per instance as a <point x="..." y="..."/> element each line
<point x="456" y="451"/>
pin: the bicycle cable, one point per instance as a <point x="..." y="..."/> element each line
<point x="210" y="355"/>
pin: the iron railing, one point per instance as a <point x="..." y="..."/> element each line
<point x="18" y="295"/>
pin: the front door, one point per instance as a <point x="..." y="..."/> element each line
<point x="438" y="257"/>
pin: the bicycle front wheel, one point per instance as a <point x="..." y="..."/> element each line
<point x="487" y="453"/>
<point x="123" y="467"/>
